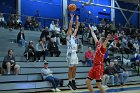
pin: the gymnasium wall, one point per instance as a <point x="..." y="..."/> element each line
<point x="97" y="13"/>
<point x="53" y="9"/>
<point x="8" y="6"/>
<point x="119" y="17"/>
<point x="46" y="8"/>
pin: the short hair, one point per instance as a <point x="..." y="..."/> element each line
<point x="103" y="39"/>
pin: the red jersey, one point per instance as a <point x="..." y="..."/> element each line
<point x="97" y="70"/>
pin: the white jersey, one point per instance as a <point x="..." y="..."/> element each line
<point x="71" y="49"/>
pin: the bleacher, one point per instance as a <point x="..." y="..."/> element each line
<point x="30" y="79"/>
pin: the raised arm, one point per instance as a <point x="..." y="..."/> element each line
<point x="93" y="34"/>
<point x="76" y="27"/>
<point x="70" y="25"/>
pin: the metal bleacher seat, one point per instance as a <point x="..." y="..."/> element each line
<point x="30" y="77"/>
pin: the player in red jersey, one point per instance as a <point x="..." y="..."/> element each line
<point x="97" y="70"/>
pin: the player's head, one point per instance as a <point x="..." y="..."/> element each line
<point x="102" y="40"/>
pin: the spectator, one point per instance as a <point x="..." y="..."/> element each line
<point x="38" y="19"/>
<point x="45" y="33"/>
<point x="113" y="47"/>
<point x="30" y="51"/>
<point x="2" y="20"/>
<point x="28" y="24"/>
<point x="135" y="60"/>
<point x="53" y="48"/>
<point x="79" y="44"/>
<point x="110" y="73"/>
<point x="44" y="45"/>
<point x="21" y="38"/>
<point x="40" y="50"/>
<point x="63" y="37"/>
<point x="89" y="57"/>
<point x="106" y="58"/>
<point x="52" y="27"/>
<point x="136" y="46"/>
<point x="57" y="29"/>
<point x="123" y="74"/>
<point x="9" y="63"/>
<point x="35" y="24"/>
<point x="11" y="22"/>
<point x="18" y="22"/>
<point x="48" y="76"/>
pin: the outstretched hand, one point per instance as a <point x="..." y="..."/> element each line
<point x="72" y="15"/>
<point x="89" y="26"/>
<point x="77" y="17"/>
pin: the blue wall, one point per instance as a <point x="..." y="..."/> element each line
<point x="8" y="6"/>
<point x="46" y="8"/>
<point x="82" y="11"/>
<point x="119" y="17"/>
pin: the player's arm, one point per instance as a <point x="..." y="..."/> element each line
<point x="106" y="41"/>
<point x="76" y="27"/>
<point x="93" y="34"/>
<point x="70" y="25"/>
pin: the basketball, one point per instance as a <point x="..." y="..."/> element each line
<point x="72" y="7"/>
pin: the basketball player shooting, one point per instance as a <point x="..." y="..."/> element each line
<point x="72" y="58"/>
<point x="97" y="70"/>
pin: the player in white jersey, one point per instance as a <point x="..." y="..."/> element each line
<point x="72" y="58"/>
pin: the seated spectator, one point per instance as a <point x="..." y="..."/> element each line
<point x="57" y="29"/>
<point x="18" y="22"/>
<point x="11" y="22"/>
<point x="89" y="57"/>
<point x="30" y="52"/>
<point x="135" y="61"/>
<point x="47" y="75"/>
<point x="35" y="24"/>
<point x="110" y="73"/>
<point x="9" y="63"/>
<point x="123" y="74"/>
<point x="63" y="37"/>
<point x="2" y="21"/>
<point x="113" y="47"/>
<point x="136" y="46"/>
<point x="53" y="48"/>
<point x="45" y="45"/>
<point x="28" y="24"/>
<point x="40" y="51"/>
<point x="79" y="45"/>
<point x="107" y="59"/>
<point x="21" y="38"/>
<point x="52" y="27"/>
<point x="45" y="33"/>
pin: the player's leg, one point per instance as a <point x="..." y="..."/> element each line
<point x="99" y="85"/>
<point x="88" y="83"/>
<point x="70" y="85"/>
<point x="73" y="76"/>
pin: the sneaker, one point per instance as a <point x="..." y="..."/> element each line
<point x="53" y="90"/>
<point x="70" y="85"/>
<point x="74" y="84"/>
<point x="57" y="90"/>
